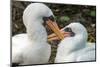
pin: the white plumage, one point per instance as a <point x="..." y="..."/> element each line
<point x="75" y="48"/>
<point x="32" y="47"/>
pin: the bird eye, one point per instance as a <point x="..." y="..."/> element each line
<point x="52" y="18"/>
<point x="68" y="29"/>
<point x="45" y="19"/>
<point x="48" y="18"/>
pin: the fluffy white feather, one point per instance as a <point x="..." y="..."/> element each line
<point x="75" y="49"/>
<point x="32" y="47"/>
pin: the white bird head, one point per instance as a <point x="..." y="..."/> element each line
<point x="76" y="29"/>
<point x="34" y="16"/>
<point x="36" y="12"/>
<point x="76" y="37"/>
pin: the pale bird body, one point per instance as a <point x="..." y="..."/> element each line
<point x="32" y="47"/>
<point x="74" y="48"/>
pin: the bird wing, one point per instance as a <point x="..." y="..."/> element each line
<point x="17" y="45"/>
<point x="87" y="54"/>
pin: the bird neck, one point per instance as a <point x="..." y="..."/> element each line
<point x="72" y="44"/>
<point x="79" y="42"/>
<point x="36" y="32"/>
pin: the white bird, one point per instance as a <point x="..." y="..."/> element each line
<point x="32" y="47"/>
<point x="73" y="48"/>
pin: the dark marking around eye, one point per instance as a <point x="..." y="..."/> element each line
<point x="72" y="34"/>
<point x="48" y="18"/>
<point x="68" y="29"/>
<point x="45" y="19"/>
<point x="52" y="18"/>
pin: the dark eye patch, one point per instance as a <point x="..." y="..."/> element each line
<point x="45" y="19"/>
<point x="68" y="29"/>
<point x="48" y="18"/>
<point x="52" y="18"/>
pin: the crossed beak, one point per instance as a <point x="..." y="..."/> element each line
<point x="53" y="36"/>
<point x="54" y="27"/>
<point x="58" y="34"/>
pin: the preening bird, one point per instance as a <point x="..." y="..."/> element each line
<point x="74" y="47"/>
<point x="32" y="47"/>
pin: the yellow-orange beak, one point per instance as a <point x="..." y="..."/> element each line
<point x="54" y="27"/>
<point x="53" y="36"/>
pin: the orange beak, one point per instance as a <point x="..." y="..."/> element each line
<point x="53" y="36"/>
<point x="54" y="27"/>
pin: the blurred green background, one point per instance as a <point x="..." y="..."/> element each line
<point x="64" y="14"/>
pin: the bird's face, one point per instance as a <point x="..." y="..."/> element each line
<point x="47" y="16"/>
<point x="38" y="13"/>
<point x="71" y="30"/>
<point x="51" y="23"/>
<point x="76" y="28"/>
